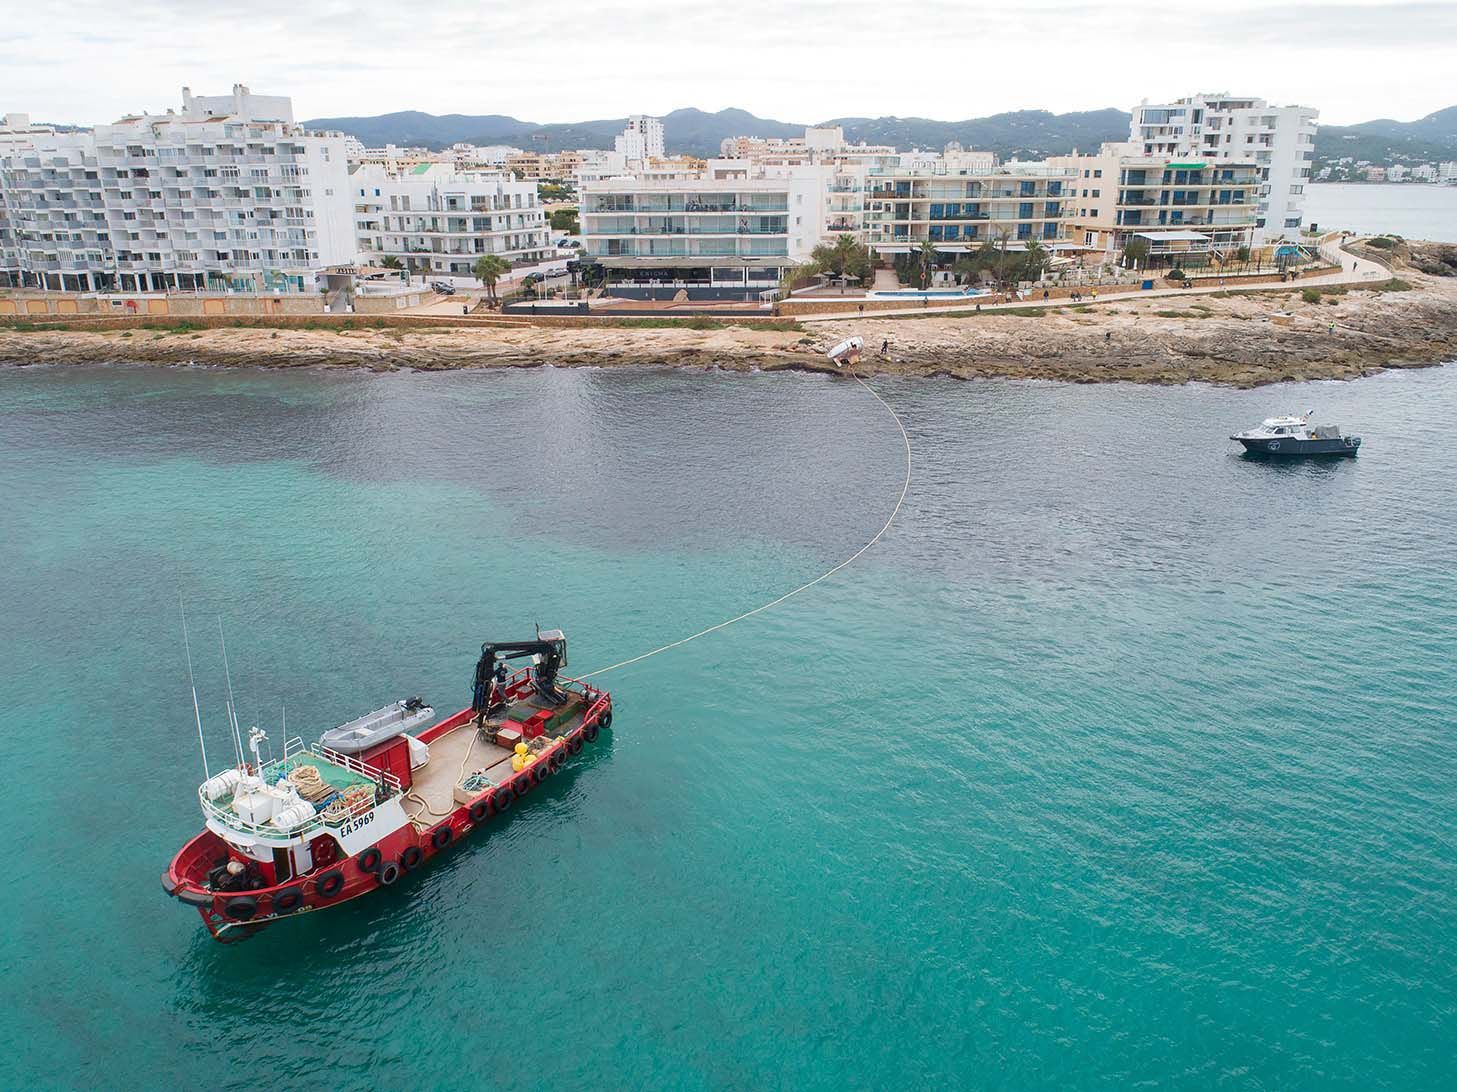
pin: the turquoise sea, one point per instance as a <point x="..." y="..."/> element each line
<point x="1121" y="761"/>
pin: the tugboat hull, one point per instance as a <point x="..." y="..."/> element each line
<point x="1288" y="447"/>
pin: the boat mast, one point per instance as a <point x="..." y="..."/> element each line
<point x="232" y="705"/>
<point x="196" y="712"/>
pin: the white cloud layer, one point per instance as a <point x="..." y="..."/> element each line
<point x="87" y="61"/>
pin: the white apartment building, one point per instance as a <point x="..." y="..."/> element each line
<point x="959" y="205"/>
<point x="1280" y="139"/>
<point x="820" y="144"/>
<point x="595" y="164"/>
<point x="729" y="231"/>
<point x="439" y="221"/>
<point x="1188" y="211"/>
<point x="481" y="155"/>
<point x="227" y="194"/>
<point x="642" y="139"/>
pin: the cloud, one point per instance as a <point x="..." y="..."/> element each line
<point x="810" y="60"/>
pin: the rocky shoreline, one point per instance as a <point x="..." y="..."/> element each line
<point x="1239" y="339"/>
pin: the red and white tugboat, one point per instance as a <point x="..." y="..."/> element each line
<point x="370" y="801"/>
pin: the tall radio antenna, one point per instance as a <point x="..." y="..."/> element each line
<point x="196" y="711"/>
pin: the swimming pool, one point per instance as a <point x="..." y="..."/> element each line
<point x="927" y="294"/>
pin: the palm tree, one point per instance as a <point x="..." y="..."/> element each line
<point x="1035" y="258"/>
<point x="928" y="263"/>
<point x="391" y="262"/>
<point x="488" y="270"/>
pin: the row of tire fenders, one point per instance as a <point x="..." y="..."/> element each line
<point x="329" y="884"/>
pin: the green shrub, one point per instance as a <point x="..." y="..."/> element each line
<point x="1310" y="295"/>
<point x="1381" y="242"/>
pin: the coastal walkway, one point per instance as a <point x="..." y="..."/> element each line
<point x="1352" y="269"/>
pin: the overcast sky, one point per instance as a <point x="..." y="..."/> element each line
<point x="793" y="60"/>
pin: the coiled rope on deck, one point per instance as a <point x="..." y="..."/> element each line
<point x="905" y="488"/>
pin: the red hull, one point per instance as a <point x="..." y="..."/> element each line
<point x="232" y="914"/>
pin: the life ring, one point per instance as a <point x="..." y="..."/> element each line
<point x="442" y="836"/>
<point x="411" y="857"/>
<point x="288" y="900"/>
<point x="589" y="732"/>
<point x="480" y="810"/>
<point x="389" y="872"/>
<point x="1273" y="445"/>
<point x="332" y="882"/>
<point x="242" y="908"/>
<point x="556" y="760"/>
<point x="501" y="800"/>
<point x="574" y="743"/>
<point x="369" y="860"/>
<point x="605" y="720"/>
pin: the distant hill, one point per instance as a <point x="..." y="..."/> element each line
<point x="1026" y="133"/>
<point x="698" y="132"/>
<point x="1385" y="141"/>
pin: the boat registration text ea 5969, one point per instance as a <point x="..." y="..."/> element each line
<point x="359" y="822"/>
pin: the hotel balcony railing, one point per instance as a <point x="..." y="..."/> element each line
<point x="659" y="208"/>
<point x="597" y="248"/>
<point x="882" y="218"/>
<point x="973" y="172"/>
<point x="597" y="231"/>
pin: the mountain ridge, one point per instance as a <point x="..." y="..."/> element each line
<point x="1016" y="133"/>
<point x="699" y="132"/>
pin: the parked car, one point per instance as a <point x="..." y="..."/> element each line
<point x="445" y="288"/>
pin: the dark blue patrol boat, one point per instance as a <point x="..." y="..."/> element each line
<point x="1296" y="437"/>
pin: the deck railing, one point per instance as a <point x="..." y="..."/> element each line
<point x="274" y="769"/>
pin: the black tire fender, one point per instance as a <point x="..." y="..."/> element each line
<point x="330" y="883"/>
<point x="558" y="757"/>
<point x="389" y="872"/>
<point x="242" y="908"/>
<point x="480" y="810"/>
<point x="288" y="900"/>
<point x="574" y="742"/>
<point x="411" y="857"/>
<point x="442" y="836"/>
<point x="605" y="720"/>
<point x="589" y="732"/>
<point x="371" y="859"/>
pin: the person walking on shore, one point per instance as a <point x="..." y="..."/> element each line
<point x="884" y="346"/>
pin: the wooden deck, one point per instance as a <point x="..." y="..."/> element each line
<point x="465" y="750"/>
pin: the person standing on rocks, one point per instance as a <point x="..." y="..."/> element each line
<point x="884" y="346"/>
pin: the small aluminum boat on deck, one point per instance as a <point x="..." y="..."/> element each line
<point x="362" y="733"/>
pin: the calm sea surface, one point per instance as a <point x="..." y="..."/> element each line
<point x="1415" y="211"/>
<point x="1121" y="761"/>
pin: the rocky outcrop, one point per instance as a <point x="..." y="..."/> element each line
<point x="1237" y="339"/>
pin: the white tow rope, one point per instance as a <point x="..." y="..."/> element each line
<point x="905" y="487"/>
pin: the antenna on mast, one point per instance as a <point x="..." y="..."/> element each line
<point x="232" y="705"/>
<point x="196" y="712"/>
